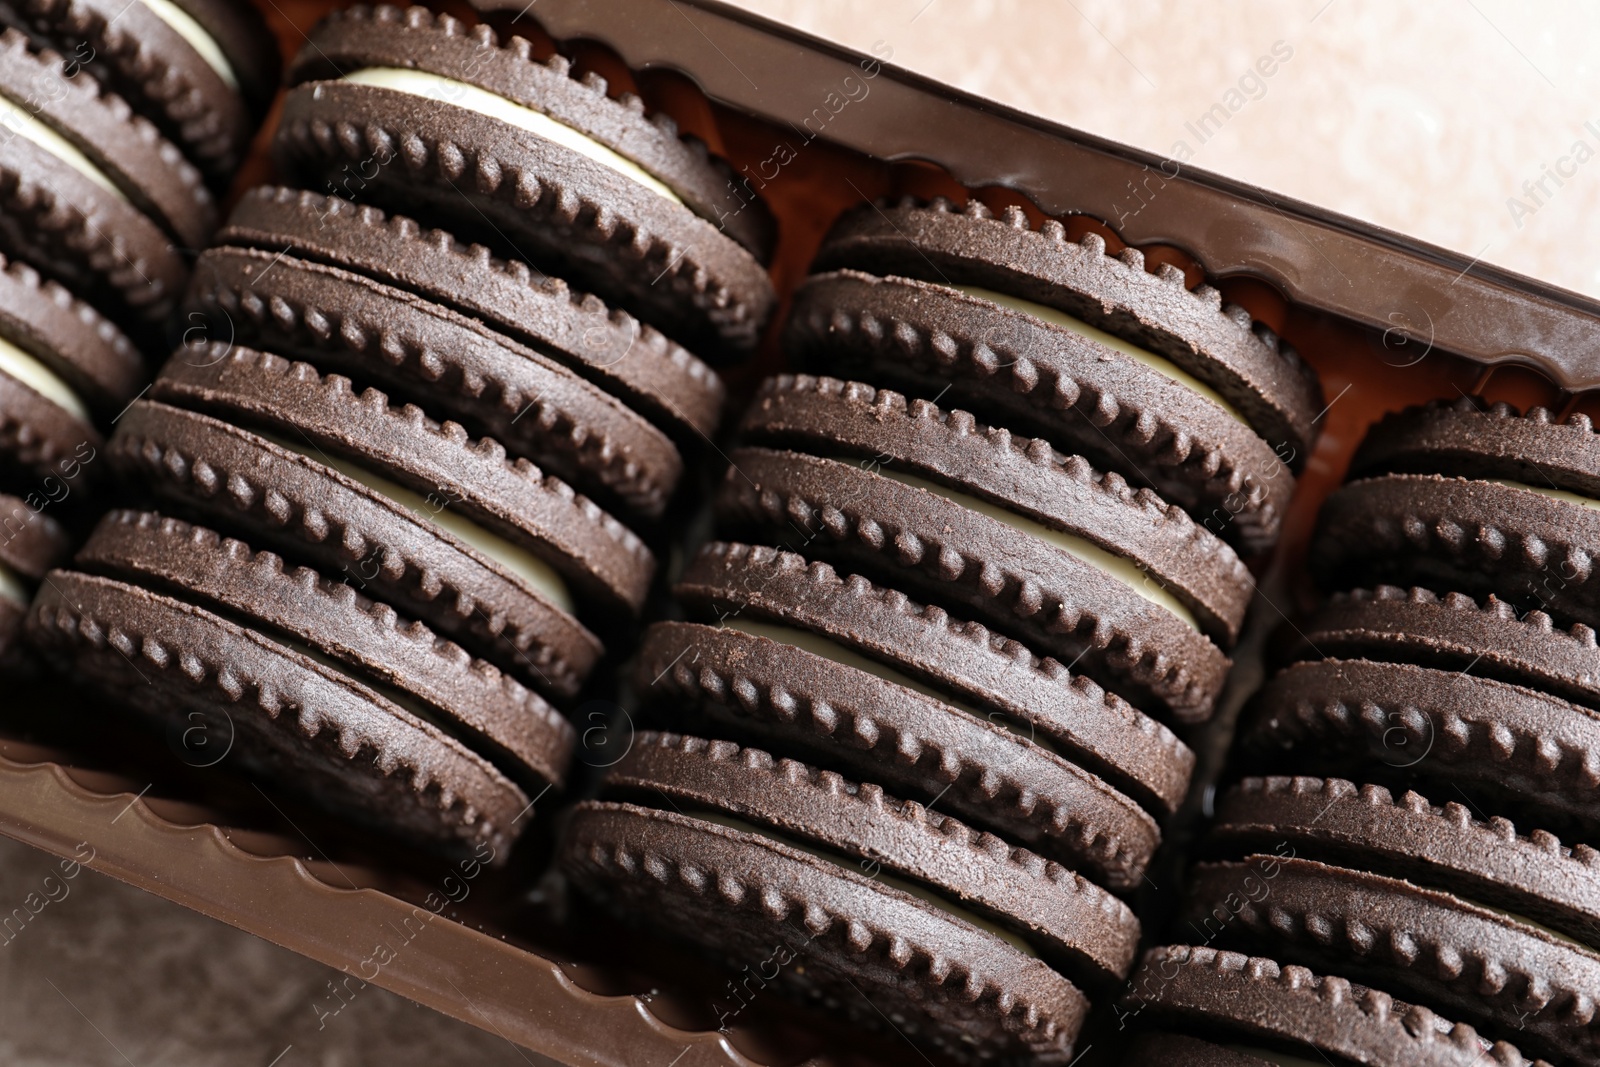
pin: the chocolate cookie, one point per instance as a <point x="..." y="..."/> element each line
<point x="589" y="394"/>
<point x="418" y="536"/>
<point x="892" y="651"/>
<point x="1446" y="743"/>
<point x="62" y="368"/>
<point x="489" y="551"/>
<point x="1478" y="501"/>
<point x="1270" y="1014"/>
<point x="1448" y="845"/>
<point x="31" y="542"/>
<point x="1455" y="632"/>
<point x="1504" y="973"/>
<point x="204" y="71"/>
<point x="93" y="195"/>
<point x="1069" y="560"/>
<point x="952" y="933"/>
<point x="420" y="112"/>
<point x="281" y="711"/>
<point x="1060" y="340"/>
<point x="854" y="683"/>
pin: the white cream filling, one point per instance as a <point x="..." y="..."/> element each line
<point x="1280" y="1058"/>
<point x="185" y="26"/>
<point x="11" y="587"/>
<point x="41" y="379"/>
<point x="472" y="98"/>
<point x="1060" y="318"/>
<point x="966" y="916"/>
<point x="1517" y="917"/>
<point x="1110" y="563"/>
<point x="20" y="122"/>
<point x="829" y="649"/>
<point x="514" y="558"/>
<point x="1553" y="494"/>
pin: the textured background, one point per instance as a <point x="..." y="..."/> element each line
<point x="1427" y="120"/>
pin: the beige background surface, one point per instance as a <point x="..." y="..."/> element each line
<point x="1425" y="118"/>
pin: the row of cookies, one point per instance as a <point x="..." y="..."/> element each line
<point x="399" y="488"/>
<point x="1414" y="837"/>
<point x="978" y="572"/>
<point x="120" y="124"/>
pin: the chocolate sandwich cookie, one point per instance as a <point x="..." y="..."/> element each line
<point x="303" y="680"/>
<point x="1462" y="692"/>
<point x="31" y="542"/>
<point x="63" y="368"/>
<point x="589" y="394"/>
<point x="879" y="711"/>
<point x="973" y="946"/>
<point x="1061" y="341"/>
<point x="839" y="664"/>
<point x="1405" y="915"/>
<point x="93" y="195"/>
<point x="422" y="113"/>
<point x="1461" y="497"/>
<point x="1070" y="560"/>
<point x="1447" y="747"/>
<point x="203" y="71"/>
<point x="405" y="589"/>
<point x="486" y="549"/>
<point x="787" y="664"/>
<point x="1225" y="1009"/>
